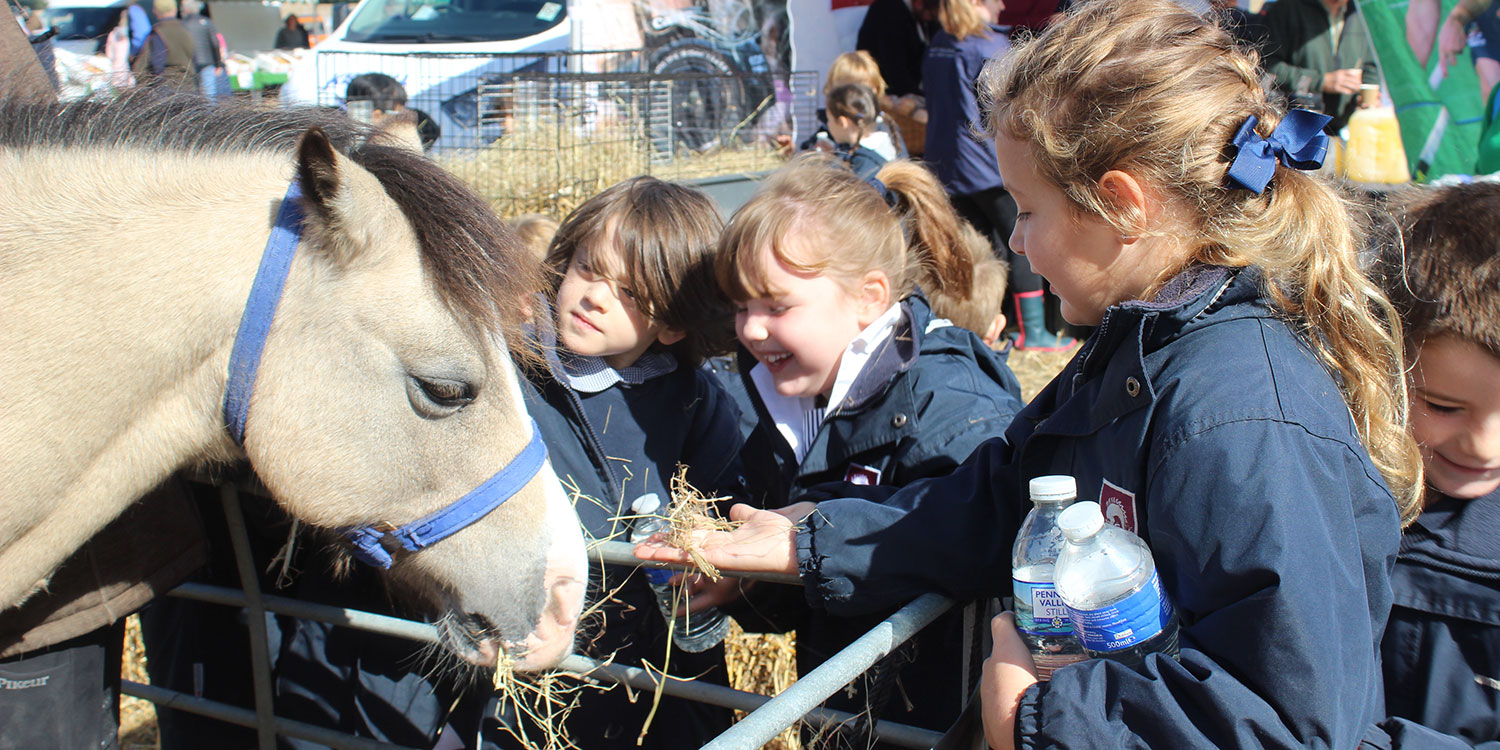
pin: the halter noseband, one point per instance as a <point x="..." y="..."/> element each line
<point x="372" y="544"/>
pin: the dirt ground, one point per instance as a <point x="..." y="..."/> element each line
<point x="759" y="663"/>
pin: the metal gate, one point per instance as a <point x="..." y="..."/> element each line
<point x="767" y="716"/>
<point x="541" y="132"/>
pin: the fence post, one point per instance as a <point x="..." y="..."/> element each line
<point x="260" y="658"/>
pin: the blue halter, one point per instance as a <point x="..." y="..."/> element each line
<point x="372" y="544"/>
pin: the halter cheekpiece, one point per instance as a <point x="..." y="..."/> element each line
<point x="372" y="544"/>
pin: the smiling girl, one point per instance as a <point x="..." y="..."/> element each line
<point x="853" y="378"/>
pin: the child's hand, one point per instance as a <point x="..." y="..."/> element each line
<point x="765" y="542"/>
<point x="1007" y="674"/>
<point x="702" y="593"/>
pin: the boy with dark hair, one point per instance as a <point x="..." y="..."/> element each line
<point x="385" y="94"/>
<point x="380" y="100"/>
<point x="1441" y="648"/>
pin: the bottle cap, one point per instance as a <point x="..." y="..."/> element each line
<point x="1053" y="487"/>
<point x="1080" y="521"/>
<point x="647" y="503"/>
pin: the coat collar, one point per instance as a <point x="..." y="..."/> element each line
<point x="1115" y="356"/>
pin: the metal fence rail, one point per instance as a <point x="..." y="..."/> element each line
<point x="541" y="132"/>
<point x="767" y="716"/>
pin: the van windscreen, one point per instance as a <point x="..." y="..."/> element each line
<point x="82" y="23"/>
<point x="453" y="21"/>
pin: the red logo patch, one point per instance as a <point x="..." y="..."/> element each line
<point x="1118" y="505"/>
<point x="867" y="476"/>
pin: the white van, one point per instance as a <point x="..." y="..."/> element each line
<point x="437" y="49"/>
<point x="445" y="52"/>
<point x="82" y="24"/>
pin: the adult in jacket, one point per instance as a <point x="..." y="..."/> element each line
<point x="166" y="58"/>
<point x="964" y="163"/>
<point x="1319" y="53"/>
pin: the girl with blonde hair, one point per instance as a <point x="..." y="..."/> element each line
<point x="852" y="377"/>
<point x="1240" y="405"/>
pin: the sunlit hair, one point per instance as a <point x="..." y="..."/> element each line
<point x="665" y="234"/>
<point x="855" y="101"/>
<point x="991" y="276"/>
<point x="962" y="19"/>
<point x="1440" y="263"/>
<point x="844" y="229"/>
<point x="1157" y="91"/>
<point x="536" y="232"/>
<point x="854" y="67"/>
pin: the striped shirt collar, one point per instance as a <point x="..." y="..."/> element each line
<point x="593" y="374"/>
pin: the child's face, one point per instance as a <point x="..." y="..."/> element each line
<point x="1081" y="256"/>
<point x="596" y="312"/>
<point x="800" y="333"/>
<point x="1455" y="416"/>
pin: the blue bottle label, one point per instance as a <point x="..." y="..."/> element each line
<point x="655" y="576"/>
<point x="1131" y="621"/>
<point x="1039" y="610"/>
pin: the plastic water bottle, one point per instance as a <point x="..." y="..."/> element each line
<point x="696" y="631"/>
<point x="1107" y="579"/>
<point x="1040" y="615"/>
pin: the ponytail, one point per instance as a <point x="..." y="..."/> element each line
<point x="1306" y="237"/>
<point x="934" y="232"/>
<point x="847" y="228"/>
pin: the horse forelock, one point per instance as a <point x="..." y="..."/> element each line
<point x="477" y="264"/>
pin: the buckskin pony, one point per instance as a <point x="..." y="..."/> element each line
<point x="130" y="234"/>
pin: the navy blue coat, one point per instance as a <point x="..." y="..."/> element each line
<point x="918" y="409"/>
<point x="1205" y="424"/>
<point x="861" y="159"/>
<point x="609" y="448"/>
<point x="949" y="75"/>
<point x="1441" y="651"/>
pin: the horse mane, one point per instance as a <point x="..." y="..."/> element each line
<point x="478" y="266"/>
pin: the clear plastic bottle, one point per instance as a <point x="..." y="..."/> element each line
<point x="1107" y="578"/>
<point x="1040" y="615"/>
<point x="696" y="631"/>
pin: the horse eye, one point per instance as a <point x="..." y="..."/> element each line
<point x="439" y="398"/>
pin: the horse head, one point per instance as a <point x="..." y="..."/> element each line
<point x="385" y="393"/>
<point x="384" y="389"/>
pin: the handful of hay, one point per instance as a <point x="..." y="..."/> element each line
<point x="690" y="513"/>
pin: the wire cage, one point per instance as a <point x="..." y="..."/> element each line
<point x="541" y="132"/>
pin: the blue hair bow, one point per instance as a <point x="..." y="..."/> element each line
<point x="1298" y="142"/>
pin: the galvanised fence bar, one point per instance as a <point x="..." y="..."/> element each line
<point x="767" y="716"/>
<point x="542" y="131"/>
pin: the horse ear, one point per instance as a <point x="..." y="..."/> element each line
<point x="317" y="166"/>
<point x="344" y="201"/>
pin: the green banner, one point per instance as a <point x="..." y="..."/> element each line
<point x="1440" y="110"/>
